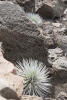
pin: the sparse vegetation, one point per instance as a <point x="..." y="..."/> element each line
<point x="35" y="74"/>
<point x="34" y="18"/>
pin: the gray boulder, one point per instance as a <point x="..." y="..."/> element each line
<point x="50" y="8"/>
<point x="19" y="36"/>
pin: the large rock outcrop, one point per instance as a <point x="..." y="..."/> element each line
<point x="19" y="36"/>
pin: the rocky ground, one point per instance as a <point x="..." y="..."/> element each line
<point x="43" y="39"/>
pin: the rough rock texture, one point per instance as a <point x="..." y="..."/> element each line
<point x="59" y="71"/>
<point x="61" y="87"/>
<point x="60" y="82"/>
<point x="62" y="95"/>
<point x="54" y="54"/>
<point x="47" y="31"/>
<point x="62" y="42"/>
<point x="54" y="33"/>
<point x="50" y="8"/>
<point x="20" y="37"/>
<point x="60" y="63"/>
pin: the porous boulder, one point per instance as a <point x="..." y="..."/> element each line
<point x="20" y="37"/>
<point x="62" y="95"/>
<point x="50" y="8"/>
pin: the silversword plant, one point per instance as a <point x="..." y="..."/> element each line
<point x="35" y="74"/>
<point x="34" y="18"/>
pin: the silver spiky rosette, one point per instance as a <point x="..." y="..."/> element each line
<point x="36" y="77"/>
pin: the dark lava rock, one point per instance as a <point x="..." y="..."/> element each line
<point x="19" y="36"/>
